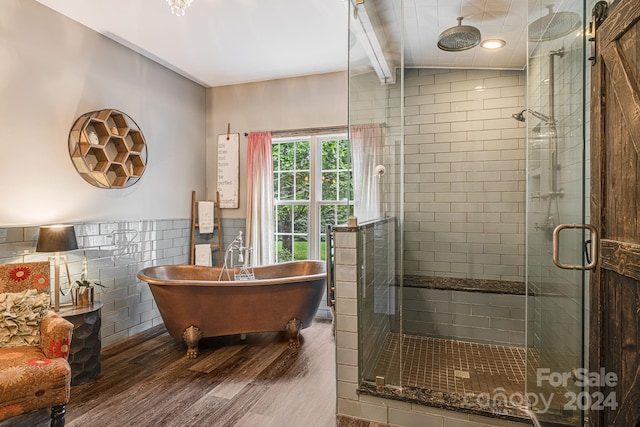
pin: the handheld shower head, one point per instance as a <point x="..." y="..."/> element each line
<point x="541" y="116"/>
<point x="521" y="118"/>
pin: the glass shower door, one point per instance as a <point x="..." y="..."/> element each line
<point x="375" y="94"/>
<point x="556" y="194"/>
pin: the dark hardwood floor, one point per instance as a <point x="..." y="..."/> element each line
<point x="147" y="381"/>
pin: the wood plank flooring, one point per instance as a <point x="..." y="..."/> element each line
<point x="148" y="381"/>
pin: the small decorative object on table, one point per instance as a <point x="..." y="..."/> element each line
<point x="83" y="291"/>
<point x="83" y="294"/>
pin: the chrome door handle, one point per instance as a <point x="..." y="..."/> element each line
<point x="595" y="244"/>
<point x="329" y="259"/>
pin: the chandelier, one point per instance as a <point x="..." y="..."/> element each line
<point x="178" y="6"/>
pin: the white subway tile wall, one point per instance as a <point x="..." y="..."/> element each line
<point x="465" y="174"/>
<point x="346" y="332"/>
<point x="466" y="316"/>
<point x="115" y="251"/>
<point x="464" y="169"/>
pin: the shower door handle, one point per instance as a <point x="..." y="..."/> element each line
<point x="329" y="259"/>
<point x="595" y="244"/>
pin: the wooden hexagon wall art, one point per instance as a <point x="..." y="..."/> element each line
<point x="108" y="149"/>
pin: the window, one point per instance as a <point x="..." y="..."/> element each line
<point x="312" y="187"/>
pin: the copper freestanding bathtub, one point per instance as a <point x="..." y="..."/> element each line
<point x="195" y="304"/>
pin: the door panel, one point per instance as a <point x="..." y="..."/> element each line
<point x="555" y="195"/>
<point x="615" y="193"/>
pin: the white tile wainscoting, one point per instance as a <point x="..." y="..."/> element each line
<point x="116" y="251"/>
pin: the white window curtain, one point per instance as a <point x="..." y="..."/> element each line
<point x="366" y="143"/>
<point x="260" y="229"/>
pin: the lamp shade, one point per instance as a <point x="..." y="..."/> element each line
<point x="56" y="238"/>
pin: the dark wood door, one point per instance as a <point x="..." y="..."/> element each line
<point x="615" y="203"/>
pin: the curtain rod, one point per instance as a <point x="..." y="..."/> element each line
<point x="306" y="131"/>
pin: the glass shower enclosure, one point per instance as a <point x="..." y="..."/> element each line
<point x="459" y="299"/>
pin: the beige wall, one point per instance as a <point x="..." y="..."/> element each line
<point x="294" y="103"/>
<point x="52" y="70"/>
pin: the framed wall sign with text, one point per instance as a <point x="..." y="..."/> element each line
<point x="229" y="169"/>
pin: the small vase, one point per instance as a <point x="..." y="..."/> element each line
<point x="85" y="297"/>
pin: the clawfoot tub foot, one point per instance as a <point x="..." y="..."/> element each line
<point x="293" y="332"/>
<point x="191" y="337"/>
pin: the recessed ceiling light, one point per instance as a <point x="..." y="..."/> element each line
<point x="493" y="44"/>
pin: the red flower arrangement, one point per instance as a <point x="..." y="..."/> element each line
<point x="19" y="274"/>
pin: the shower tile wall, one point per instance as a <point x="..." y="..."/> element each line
<point x="465" y="173"/>
<point x="464" y="316"/>
<point x="116" y="251"/>
<point x="464" y="167"/>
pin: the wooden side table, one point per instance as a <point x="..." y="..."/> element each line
<point x="84" y="352"/>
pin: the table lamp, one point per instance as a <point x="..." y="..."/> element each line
<point x="57" y="238"/>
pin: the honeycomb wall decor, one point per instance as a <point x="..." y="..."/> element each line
<point x="108" y="149"/>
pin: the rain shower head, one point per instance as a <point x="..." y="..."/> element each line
<point x="521" y="118"/>
<point x="459" y="38"/>
<point x="553" y="25"/>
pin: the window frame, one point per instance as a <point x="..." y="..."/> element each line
<point x="315" y="201"/>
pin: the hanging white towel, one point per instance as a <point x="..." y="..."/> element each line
<point x="203" y="255"/>
<point x="205" y="217"/>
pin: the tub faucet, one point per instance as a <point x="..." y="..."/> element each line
<point x="241" y="248"/>
<point x="236" y="245"/>
<point x="240" y="256"/>
<point x="245" y="271"/>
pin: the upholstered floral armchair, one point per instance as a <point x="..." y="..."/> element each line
<point x="34" y="344"/>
